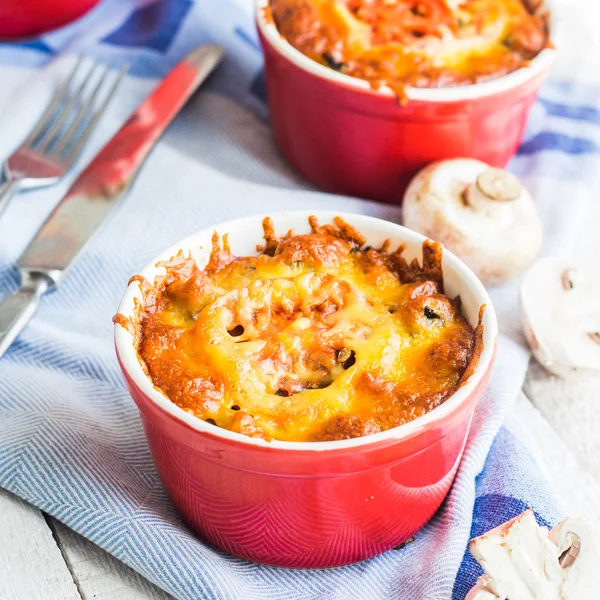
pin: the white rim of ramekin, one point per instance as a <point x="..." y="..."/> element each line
<point x="474" y="91"/>
<point x="125" y="344"/>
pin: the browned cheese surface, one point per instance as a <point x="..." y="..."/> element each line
<point x="419" y="43"/>
<point x="316" y="338"/>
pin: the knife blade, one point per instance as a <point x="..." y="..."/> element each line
<point x="98" y="190"/>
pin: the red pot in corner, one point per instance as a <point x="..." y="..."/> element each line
<point x="25" y="18"/>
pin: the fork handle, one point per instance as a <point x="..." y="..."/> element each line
<point x="7" y="190"/>
<point x="17" y="309"/>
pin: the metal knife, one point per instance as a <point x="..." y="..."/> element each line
<point x="97" y="191"/>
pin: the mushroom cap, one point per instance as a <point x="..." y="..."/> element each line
<point x="482" y="214"/>
<point x="560" y="311"/>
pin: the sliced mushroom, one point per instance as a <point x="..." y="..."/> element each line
<point x="482" y="214"/>
<point x="578" y="542"/>
<point x="519" y="560"/>
<point x="560" y="310"/>
<point x="524" y="561"/>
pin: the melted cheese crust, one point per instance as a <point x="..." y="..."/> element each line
<point x="421" y="43"/>
<point x="317" y="338"/>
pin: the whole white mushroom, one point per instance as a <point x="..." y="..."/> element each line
<point x="482" y="214"/>
<point x="560" y="311"/>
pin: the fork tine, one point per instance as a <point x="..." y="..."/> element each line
<point x="50" y="136"/>
<point x="84" y="110"/>
<point x="48" y="114"/>
<point x="91" y="124"/>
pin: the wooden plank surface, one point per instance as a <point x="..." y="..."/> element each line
<point x="98" y="574"/>
<point x="31" y="563"/>
<point x="578" y="490"/>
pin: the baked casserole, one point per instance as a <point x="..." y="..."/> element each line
<point x="418" y="43"/>
<point x="316" y="338"/>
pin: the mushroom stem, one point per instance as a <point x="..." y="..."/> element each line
<point x="491" y="185"/>
<point x="499" y="185"/>
<point x="568" y="278"/>
<point x="567" y="558"/>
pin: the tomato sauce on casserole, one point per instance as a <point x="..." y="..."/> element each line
<point x="316" y="338"/>
<point x="418" y="43"/>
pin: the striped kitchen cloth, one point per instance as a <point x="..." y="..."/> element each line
<point x="71" y="441"/>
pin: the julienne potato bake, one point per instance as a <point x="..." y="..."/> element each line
<point x="316" y="338"/>
<point x="419" y="43"/>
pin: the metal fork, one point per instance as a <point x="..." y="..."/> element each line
<point x="61" y="133"/>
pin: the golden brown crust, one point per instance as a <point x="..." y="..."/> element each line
<point x="418" y="43"/>
<point x="339" y="229"/>
<point x="318" y="338"/>
<point x="431" y="269"/>
<point x="477" y="348"/>
<point x="343" y="427"/>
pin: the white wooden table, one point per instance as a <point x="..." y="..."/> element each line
<point x="41" y="559"/>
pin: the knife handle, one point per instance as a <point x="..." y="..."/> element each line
<point x="17" y="309"/>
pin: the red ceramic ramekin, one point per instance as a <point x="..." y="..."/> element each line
<point x="22" y="18"/>
<point x="349" y="139"/>
<point x="307" y="504"/>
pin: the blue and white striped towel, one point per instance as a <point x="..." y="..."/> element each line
<point x="71" y="442"/>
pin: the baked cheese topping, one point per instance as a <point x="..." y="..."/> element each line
<point x="420" y="43"/>
<point x="317" y="338"/>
